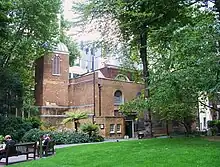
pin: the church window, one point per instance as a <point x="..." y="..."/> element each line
<point x="56" y="65"/>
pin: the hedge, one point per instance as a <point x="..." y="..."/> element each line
<point x="61" y="137"/>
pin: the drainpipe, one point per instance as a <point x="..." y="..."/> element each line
<point x="100" y="99"/>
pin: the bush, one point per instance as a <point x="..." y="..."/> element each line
<point x="217" y="124"/>
<point x="66" y="137"/>
<point x="96" y="138"/>
<point x="214" y="126"/>
<point x="35" y="122"/>
<point x="14" y="126"/>
<point x="90" y="129"/>
<point x="32" y="135"/>
<point x="211" y="124"/>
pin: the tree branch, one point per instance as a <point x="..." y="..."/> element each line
<point x="216" y="109"/>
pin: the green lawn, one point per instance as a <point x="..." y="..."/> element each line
<point x="176" y="152"/>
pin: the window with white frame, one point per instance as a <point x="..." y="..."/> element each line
<point x="56" y="65"/>
<point x="112" y="128"/>
<point x="118" y="128"/>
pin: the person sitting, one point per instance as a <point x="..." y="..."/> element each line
<point x="45" y="139"/>
<point x="9" y="143"/>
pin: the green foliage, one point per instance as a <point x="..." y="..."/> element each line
<point x="96" y="138"/>
<point x="68" y="41"/>
<point x="11" y="92"/>
<point x="28" y="29"/>
<point x="73" y="49"/>
<point x="36" y="123"/>
<point x="90" y="129"/>
<point x="15" y="126"/>
<point x="1" y="139"/>
<point x="211" y="124"/>
<point x="74" y="116"/>
<point x="214" y="125"/>
<point x="182" y="65"/>
<point x="60" y="137"/>
<point x="134" y="22"/>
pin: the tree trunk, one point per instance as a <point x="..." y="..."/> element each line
<point x="143" y="55"/>
<point x="217" y="6"/>
<point x="187" y="127"/>
<point x="167" y="128"/>
<point x="76" y="128"/>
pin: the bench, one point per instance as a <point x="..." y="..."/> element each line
<point x="21" y="149"/>
<point x="47" y="149"/>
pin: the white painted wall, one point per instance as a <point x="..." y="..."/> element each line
<point x="204" y="112"/>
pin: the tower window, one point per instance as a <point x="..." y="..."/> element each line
<point x="56" y="65"/>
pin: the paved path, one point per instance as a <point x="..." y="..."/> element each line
<point x="23" y="157"/>
<point x="106" y="141"/>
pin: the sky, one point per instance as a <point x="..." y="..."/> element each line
<point x="74" y="32"/>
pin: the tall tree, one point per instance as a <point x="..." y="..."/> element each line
<point x="29" y="26"/>
<point x="133" y="21"/>
<point x="184" y="64"/>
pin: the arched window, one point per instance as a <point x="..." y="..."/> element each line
<point x="56" y="65"/>
<point x="121" y="77"/>
<point x="118" y="97"/>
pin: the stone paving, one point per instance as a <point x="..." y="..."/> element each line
<point x="22" y="158"/>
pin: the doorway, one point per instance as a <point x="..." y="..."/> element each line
<point x="129" y="128"/>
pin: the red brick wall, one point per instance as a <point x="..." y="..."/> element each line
<point x="129" y="91"/>
<point x="111" y="120"/>
<point x="81" y="91"/>
<point x="109" y="72"/>
<point x="54" y="89"/>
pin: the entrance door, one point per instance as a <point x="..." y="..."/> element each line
<point x="128" y="129"/>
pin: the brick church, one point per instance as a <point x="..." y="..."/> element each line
<point x="59" y="89"/>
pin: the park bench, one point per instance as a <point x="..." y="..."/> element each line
<point x="47" y="149"/>
<point x="28" y="149"/>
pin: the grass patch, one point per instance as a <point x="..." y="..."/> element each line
<point x="178" y="152"/>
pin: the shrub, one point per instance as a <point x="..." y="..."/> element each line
<point x="14" y="126"/>
<point x="35" y="122"/>
<point x="66" y="137"/>
<point x="90" y="129"/>
<point x="96" y="138"/>
<point x="32" y="135"/>
<point x="214" y="126"/>
<point x="211" y="124"/>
